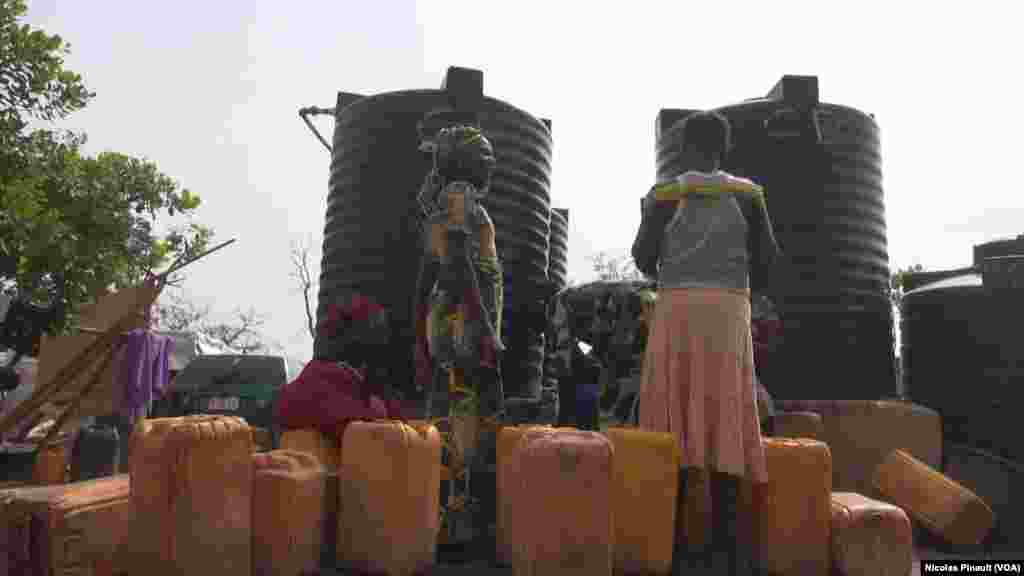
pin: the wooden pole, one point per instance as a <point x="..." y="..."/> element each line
<point x="103" y="346"/>
<point x="76" y="403"/>
<point x="78" y="364"/>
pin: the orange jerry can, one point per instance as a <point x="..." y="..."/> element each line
<point x="645" y="491"/>
<point x="192" y="495"/>
<point x="326" y="448"/>
<point x="507" y="445"/>
<point x="76" y="528"/>
<point x="941" y="505"/>
<point x="870" y="538"/>
<point x="790" y="517"/>
<point x="861" y="434"/>
<point x="510" y="501"/>
<point x="798" y="425"/>
<point x="564" y="486"/>
<point x="287" y="513"/>
<point x="389" y="497"/>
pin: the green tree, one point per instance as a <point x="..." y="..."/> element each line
<point x="33" y="81"/>
<point x="91" y="220"/>
<point x="898" y="278"/>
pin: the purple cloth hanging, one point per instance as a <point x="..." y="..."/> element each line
<point x="145" y="370"/>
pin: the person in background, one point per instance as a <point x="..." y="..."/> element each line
<point x="577" y="365"/>
<point x="765" y="328"/>
<point x="699" y="236"/>
<point x="586" y="379"/>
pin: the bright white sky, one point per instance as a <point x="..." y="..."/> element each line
<point x="210" y="91"/>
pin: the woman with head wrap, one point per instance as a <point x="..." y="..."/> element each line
<point x="700" y="235"/>
<point x="459" y="293"/>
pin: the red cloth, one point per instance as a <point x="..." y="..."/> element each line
<point x="325" y="396"/>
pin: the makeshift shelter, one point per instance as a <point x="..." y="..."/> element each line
<point x="75" y="376"/>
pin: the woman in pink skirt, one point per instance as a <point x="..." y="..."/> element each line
<point x="699" y="236"/>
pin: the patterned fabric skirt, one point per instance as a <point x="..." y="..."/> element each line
<point x="698" y="380"/>
<point x="458" y="332"/>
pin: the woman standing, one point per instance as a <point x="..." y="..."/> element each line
<point x="699" y="236"/>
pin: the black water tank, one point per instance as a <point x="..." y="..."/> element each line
<point x="820" y="165"/>
<point x="997" y="248"/>
<point x="371" y="245"/>
<point x="523" y="362"/>
<point x="558" y="260"/>
<point x="960" y="356"/>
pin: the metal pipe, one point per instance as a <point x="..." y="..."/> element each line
<point x="305" y="113"/>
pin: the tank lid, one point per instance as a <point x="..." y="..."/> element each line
<point x="796" y="90"/>
<point x="465" y="87"/>
<point x="963" y="281"/>
<point x="1004" y="247"/>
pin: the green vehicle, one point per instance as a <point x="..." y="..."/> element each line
<point x="231" y="384"/>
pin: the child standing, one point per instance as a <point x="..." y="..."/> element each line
<point x="699" y="236"/>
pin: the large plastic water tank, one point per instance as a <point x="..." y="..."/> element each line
<point x="371" y="243"/>
<point x="820" y="165"/>
<point x="558" y="261"/>
<point x="961" y="356"/>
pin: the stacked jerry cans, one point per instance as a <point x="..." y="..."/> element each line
<point x="381" y="505"/>
<point x="73" y="528"/>
<point x="327" y="449"/>
<point x="862" y="433"/>
<point x="573" y="502"/>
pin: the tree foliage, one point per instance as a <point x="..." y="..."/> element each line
<point x="33" y="80"/>
<point x="91" y="220"/>
<point x="614" y="268"/>
<point x="898" y="278"/>
<point x="302" y="274"/>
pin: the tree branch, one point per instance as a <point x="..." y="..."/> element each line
<point x="304" y="280"/>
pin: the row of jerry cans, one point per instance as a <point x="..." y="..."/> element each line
<point x="559" y="495"/>
<point x="569" y="502"/>
<point x="575" y="502"/>
<point x="199" y="499"/>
